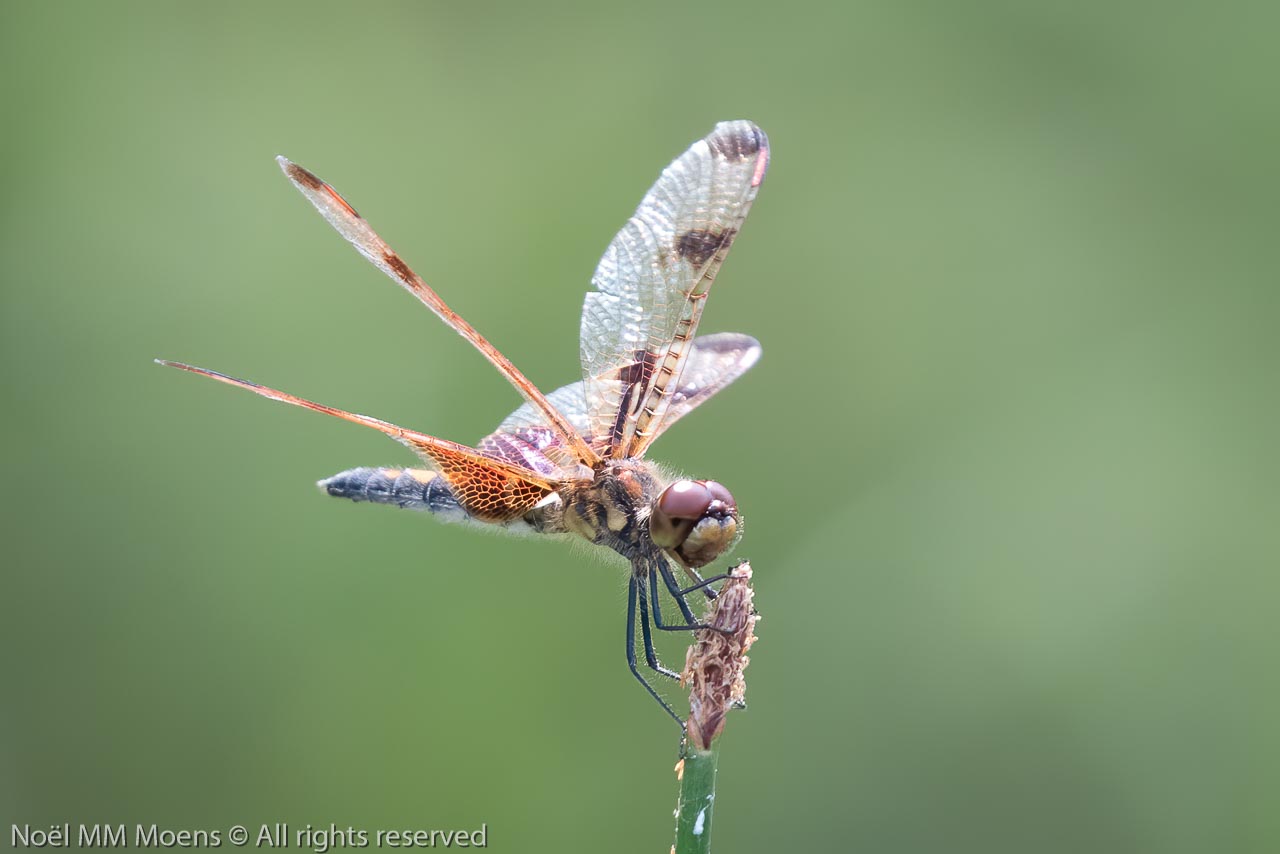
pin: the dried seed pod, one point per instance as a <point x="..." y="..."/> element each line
<point x="714" y="664"/>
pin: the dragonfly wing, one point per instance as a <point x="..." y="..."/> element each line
<point x="489" y="488"/>
<point x="713" y="362"/>
<point x="652" y="283"/>
<point x="347" y="222"/>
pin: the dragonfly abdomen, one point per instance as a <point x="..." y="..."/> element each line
<point x="411" y="489"/>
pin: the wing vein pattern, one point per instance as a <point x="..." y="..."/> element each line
<point x="638" y="325"/>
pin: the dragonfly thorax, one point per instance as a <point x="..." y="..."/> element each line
<point x="631" y="508"/>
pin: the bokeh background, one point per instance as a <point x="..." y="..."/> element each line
<point x="1008" y="464"/>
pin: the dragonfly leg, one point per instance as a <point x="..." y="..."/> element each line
<point x="632" y="599"/>
<point x="650" y="655"/>
<point x="692" y="624"/>
<point x="704" y="584"/>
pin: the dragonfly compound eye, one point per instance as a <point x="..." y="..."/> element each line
<point x="696" y="520"/>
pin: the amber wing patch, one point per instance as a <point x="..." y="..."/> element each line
<point x="490" y="491"/>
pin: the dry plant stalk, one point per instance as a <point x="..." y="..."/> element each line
<point x="714" y="664"/>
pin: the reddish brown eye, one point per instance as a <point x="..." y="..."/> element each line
<point x="686" y="499"/>
<point x="719" y="493"/>
<point x="695" y="521"/>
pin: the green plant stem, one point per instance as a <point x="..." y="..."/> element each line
<point x="697" y="799"/>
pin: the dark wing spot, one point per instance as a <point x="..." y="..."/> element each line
<point x="401" y="268"/>
<point x="639" y="371"/>
<point x="302" y="176"/>
<point x="737" y="144"/>
<point x="700" y="246"/>
<point x="635" y="378"/>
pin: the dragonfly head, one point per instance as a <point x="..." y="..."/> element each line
<point x="695" y="520"/>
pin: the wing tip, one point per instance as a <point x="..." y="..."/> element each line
<point x="326" y="199"/>
<point x="740" y="140"/>
<point x="301" y="177"/>
<point x="747" y="346"/>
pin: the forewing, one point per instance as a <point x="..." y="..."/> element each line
<point x="347" y="222"/>
<point x="490" y="489"/>
<point x="712" y="363"/>
<point x="653" y="280"/>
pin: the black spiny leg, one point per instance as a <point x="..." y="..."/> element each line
<point x="678" y="595"/>
<point x="657" y="610"/>
<point x="651" y="656"/>
<point x="703" y="584"/>
<point x="633" y="587"/>
<point x="691" y="622"/>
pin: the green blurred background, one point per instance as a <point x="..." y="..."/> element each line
<point x="1008" y="463"/>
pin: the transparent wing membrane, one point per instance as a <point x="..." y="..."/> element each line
<point x="653" y="281"/>
<point x="712" y="363"/>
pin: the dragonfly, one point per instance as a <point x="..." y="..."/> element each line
<point x="572" y="462"/>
